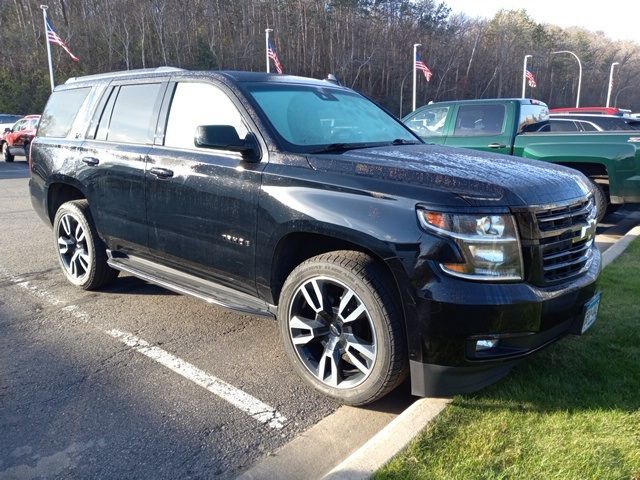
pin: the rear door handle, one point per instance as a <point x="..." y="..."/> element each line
<point x="91" y="161"/>
<point x="496" y="145"/>
<point x="161" y="172"/>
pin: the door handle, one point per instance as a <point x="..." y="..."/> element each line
<point x="161" y="172"/>
<point x="496" y="145"/>
<point x="91" y="161"/>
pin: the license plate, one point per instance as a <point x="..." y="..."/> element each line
<point x="590" y="312"/>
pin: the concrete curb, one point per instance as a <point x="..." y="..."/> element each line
<point x="620" y="246"/>
<point x="383" y="446"/>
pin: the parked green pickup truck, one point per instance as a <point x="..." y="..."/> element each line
<point x="521" y="127"/>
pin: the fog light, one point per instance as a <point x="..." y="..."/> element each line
<point x="482" y="345"/>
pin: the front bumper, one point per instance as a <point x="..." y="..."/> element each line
<point x="452" y="314"/>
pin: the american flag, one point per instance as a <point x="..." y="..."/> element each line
<point x="53" y="37"/>
<point x="420" y="65"/>
<point x="274" y="56"/>
<point x="531" y="79"/>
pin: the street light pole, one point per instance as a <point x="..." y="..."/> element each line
<point x="402" y="90"/>
<point x="611" y="82"/>
<point x="524" y="74"/>
<point x="579" y="72"/>
<point x="413" y="66"/>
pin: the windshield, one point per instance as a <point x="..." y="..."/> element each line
<point x="308" y="118"/>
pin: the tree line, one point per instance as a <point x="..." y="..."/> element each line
<point x="367" y="44"/>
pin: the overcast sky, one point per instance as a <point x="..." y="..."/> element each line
<point x="618" y="19"/>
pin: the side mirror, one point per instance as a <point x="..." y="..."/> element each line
<point x="7" y="129"/>
<point x="225" y="137"/>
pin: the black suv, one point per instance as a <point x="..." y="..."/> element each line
<point x="303" y="200"/>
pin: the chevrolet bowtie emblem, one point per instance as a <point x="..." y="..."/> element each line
<point x="586" y="231"/>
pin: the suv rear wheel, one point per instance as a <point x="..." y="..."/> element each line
<point x="342" y="327"/>
<point x="81" y="253"/>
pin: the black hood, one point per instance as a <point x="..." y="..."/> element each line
<point x="478" y="177"/>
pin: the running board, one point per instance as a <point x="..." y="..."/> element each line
<point x="187" y="284"/>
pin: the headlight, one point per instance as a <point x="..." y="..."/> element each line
<point x="488" y="243"/>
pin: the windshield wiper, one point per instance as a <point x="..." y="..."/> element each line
<point x="343" y="147"/>
<point x="402" y="141"/>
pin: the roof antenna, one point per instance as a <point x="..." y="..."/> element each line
<point x="333" y="79"/>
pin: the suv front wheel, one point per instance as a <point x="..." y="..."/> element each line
<point x="342" y="328"/>
<point x="81" y="253"/>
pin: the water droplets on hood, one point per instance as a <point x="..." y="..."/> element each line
<point x="464" y="172"/>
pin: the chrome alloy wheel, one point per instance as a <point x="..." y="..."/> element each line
<point x="72" y="247"/>
<point x="332" y="332"/>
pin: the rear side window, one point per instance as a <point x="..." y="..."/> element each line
<point x="133" y="118"/>
<point x="563" y="126"/>
<point x="61" y="111"/>
<point x="476" y="120"/>
<point x="533" y="118"/>
<point x="588" y="126"/>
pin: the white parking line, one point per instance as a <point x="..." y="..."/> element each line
<point x="236" y="397"/>
<point x="250" y="405"/>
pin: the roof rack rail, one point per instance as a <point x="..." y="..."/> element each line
<point x="123" y="73"/>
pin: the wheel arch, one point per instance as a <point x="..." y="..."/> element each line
<point x="60" y="192"/>
<point x="589" y="169"/>
<point x="296" y="247"/>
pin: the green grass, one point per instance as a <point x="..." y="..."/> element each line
<point x="569" y="412"/>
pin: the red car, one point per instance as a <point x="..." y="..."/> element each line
<point x="16" y="140"/>
<point x="619" y="112"/>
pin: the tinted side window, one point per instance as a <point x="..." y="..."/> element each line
<point x="60" y="112"/>
<point x="533" y="118"/>
<point x="105" y="118"/>
<point x="475" y="120"/>
<point x="563" y="126"/>
<point x="133" y="119"/>
<point x="587" y="126"/>
<point x="430" y="122"/>
<point x="196" y="104"/>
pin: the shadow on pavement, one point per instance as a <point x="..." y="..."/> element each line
<point x="16" y="169"/>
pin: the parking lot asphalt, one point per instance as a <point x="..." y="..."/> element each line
<point x="76" y="401"/>
<point x="132" y="381"/>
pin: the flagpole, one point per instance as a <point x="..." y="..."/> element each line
<point x="415" y="53"/>
<point x="524" y="75"/>
<point x="266" y="47"/>
<point x="46" y="39"/>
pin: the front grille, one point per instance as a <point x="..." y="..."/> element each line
<point x="565" y="236"/>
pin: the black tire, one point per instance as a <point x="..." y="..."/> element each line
<point x="602" y="200"/>
<point x="5" y="152"/>
<point x="361" y="279"/>
<point x="81" y="253"/>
